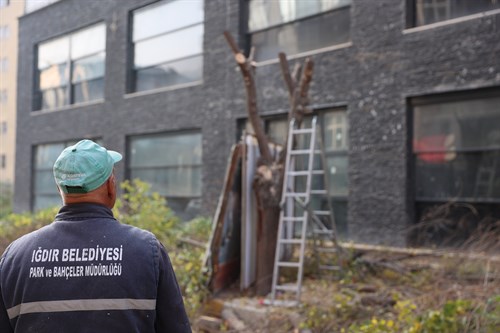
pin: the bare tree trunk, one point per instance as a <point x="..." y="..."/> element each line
<point x="268" y="180"/>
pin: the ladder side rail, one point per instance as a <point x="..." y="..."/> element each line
<point x="312" y="145"/>
<point x="284" y="208"/>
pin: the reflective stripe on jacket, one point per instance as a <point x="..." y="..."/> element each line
<point x="86" y="272"/>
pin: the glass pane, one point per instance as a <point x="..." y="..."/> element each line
<point x="430" y="11"/>
<point x="335" y="131"/>
<point x="340" y="215"/>
<point x="177" y="45"/>
<point x="53" y="52"/>
<point x="471" y="124"/>
<point x="32" y="5"/>
<point x="317" y="32"/>
<point x="54" y="76"/>
<point x="171" y="150"/>
<point x="177" y="72"/>
<point x="166" y="16"/>
<point x="88" y="41"/>
<point x="45" y="183"/>
<point x="88" y="91"/>
<point x="46" y="155"/>
<point x="89" y="68"/>
<point x="175" y="182"/>
<point x="277" y="130"/>
<point x="46" y="201"/>
<point x="458" y="175"/>
<point x="265" y="13"/>
<point x="337" y="167"/>
<point x="54" y="98"/>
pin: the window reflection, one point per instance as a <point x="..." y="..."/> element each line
<point x="168" y="44"/>
<point x="84" y="52"/>
<point x="457" y="150"/>
<point x="171" y="163"/>
<point x="294" y="26"/>
<point x="431" y="11"/>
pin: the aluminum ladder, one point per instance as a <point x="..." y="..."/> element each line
<point x="296" y="213"/>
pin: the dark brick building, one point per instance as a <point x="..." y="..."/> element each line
<point x="407" y="94"/>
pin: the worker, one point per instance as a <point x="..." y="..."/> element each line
<point x="87" y="272"/>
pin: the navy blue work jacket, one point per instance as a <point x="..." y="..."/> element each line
<point x="86" y="272"/>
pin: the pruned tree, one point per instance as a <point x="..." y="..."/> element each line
<point x="268" y="182"/>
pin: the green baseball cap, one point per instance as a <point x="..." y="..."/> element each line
<point x="84" y="167"/>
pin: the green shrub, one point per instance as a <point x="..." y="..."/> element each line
<point x="139" y="207"/>
<point x="14" y="226"/>
<point x="5" y="199"/>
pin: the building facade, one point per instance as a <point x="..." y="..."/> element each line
<point x="407" y="94"/>
<point x="9" y="12"/>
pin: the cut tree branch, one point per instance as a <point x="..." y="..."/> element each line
<point x="253" y="116"/>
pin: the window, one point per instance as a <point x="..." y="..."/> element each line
<point x="4" y="3"/>
<point x="334" y="130"/>
<point x="171" y="163"/>
<point x="45" y="193"/>
<point x="4" y="32"/>
<point x="32" y="5"/>
<point x="3" y="96"/>
<point x="422" y="12"/>
<point x="295" y="26"/>
<point x="71" y="68"/>
<point x="3" y="129"/>
<point x="456" y="148"/>
<point x="167" y="40"/>
<point x="3" y="161"/>
<point x="4" y="64"/>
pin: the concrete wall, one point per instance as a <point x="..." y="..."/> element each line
<point x="373" y="75"/>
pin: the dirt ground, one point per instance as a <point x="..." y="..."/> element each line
<point x="369" y="286"/>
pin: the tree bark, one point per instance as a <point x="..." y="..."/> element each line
<point x="268" y="180"/>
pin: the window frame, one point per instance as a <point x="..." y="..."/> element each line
<point x="129" y="168"/>
<point x="131" y="75"/>
<point x="411" y="15"/>
<point x="68" y="87"/>
<point x="246" y="33"/>
<point x="449" y="97"/>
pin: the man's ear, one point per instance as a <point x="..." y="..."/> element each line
<point x="110" y="184"/>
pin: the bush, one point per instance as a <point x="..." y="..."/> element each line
<point x="146" y="210"/>
<point x="5" y="199"/>
<point x="14" y="226"/>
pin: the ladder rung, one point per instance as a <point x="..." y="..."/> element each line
<point x="290" y="241"/>
<point x="287" y="287"/>
<point x="288" y="264"/>
<point x="321" y="212"/>
<point x="296" y="194"/>
<point x="323" y="232"/>
<point x="302" y="130"/>
<point x="293" y="218"/>
<point x="305" y="172"/>
<point x="300" y="152"/>
<point x="319" y="192"/>
<point x="304" y="151"/>
<point x="298" y="173"/>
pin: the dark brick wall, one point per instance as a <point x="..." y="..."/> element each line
<point x="372" y="77"/>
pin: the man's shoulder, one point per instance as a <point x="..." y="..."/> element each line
<point x="136" y="231"/>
